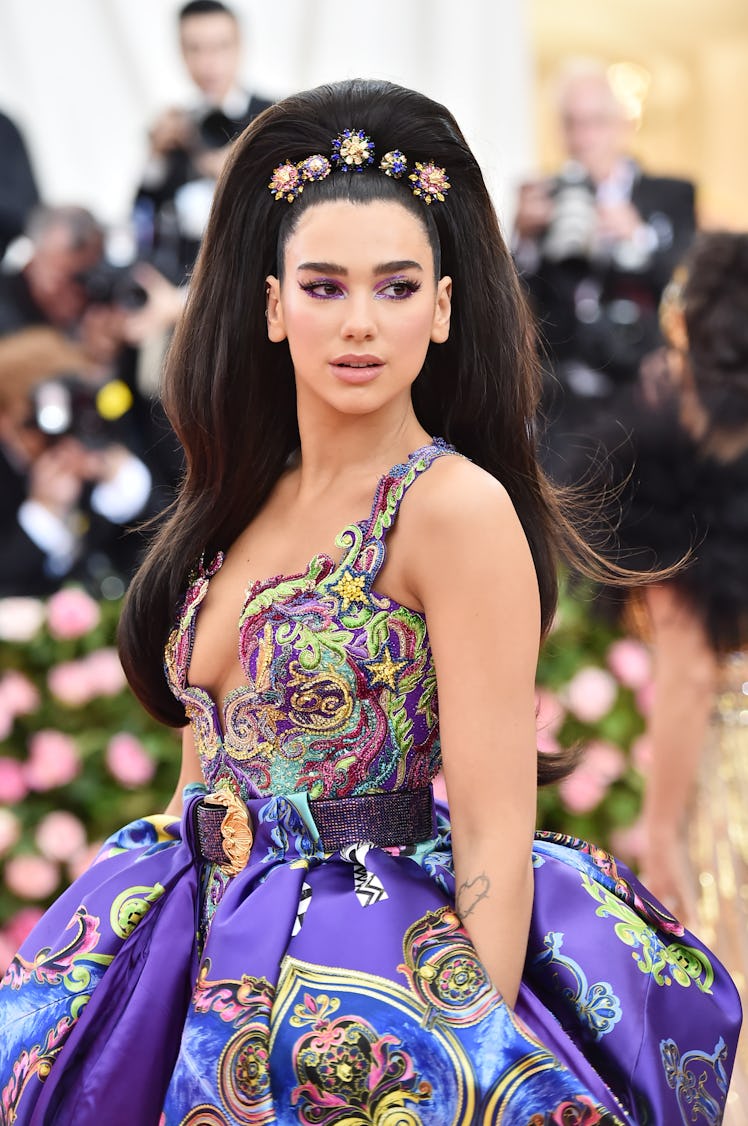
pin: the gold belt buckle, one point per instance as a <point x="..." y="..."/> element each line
<point x="236" y="830"/>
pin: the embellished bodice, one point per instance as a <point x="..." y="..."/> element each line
<point x="340" y="695"/>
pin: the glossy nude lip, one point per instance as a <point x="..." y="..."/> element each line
<point x="355" y="368"/>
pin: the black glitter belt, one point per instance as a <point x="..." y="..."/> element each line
<point x="224" y="835"/>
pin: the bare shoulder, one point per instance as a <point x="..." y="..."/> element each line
<point x="455" y="498"/>
<point x="461" y="532"/>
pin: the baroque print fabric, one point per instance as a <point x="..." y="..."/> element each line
<point x="340" y="988"/>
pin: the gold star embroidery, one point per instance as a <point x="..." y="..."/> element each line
<point x="385" y="671"/>
<point x="350" y="589"/>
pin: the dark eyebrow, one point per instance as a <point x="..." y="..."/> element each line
<point x="382" y="268"/>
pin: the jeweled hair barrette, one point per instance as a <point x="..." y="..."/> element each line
<point x="353" y="151"/>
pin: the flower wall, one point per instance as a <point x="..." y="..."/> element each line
<point x="79" y="756"/>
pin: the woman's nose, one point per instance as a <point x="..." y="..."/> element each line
<point x="359" y="322"/>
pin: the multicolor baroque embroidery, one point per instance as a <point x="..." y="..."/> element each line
<point x="72" y="967"/>
<point x="35" y="1062"/>
<point x="444" y="972"/>
<point x="699" y="1081"/>
<point x="130" y="906"/>
<point x="674" y="962"/>
<point x="577" y="1111"/>
<point x="596" y="1005"/>
<point x="147" y="834"/>
<point x="244" y="1067"/>
<point x="341" y="691"/>
<point x="67" y="965"/>
<point x="348" y="1073"/>
<point x="607" y="866"/>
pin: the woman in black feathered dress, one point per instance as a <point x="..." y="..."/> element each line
<point x="683" y="492"/>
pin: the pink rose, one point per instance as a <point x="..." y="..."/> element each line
<point x="591" y="693"/>
<point x="581" y="791"/>
<point x="106" y="677"/>
<point x="20" y="926"/>
<point x="31" y="877"/>
<point x="604" y="760"/>
<point x="20" y="618"/>
<point x="587" y="785"/>
<point x="630" y="661"/>
<point x="18" y="696"/>
<point x="70" y="682"/>
<point x="60" y="836"/>
<point x="129" y="761"/>
<point x="15" y="933"/>
<point x="549" y="711"/>
<point x="13" y="783"/>
<point x="71" y="613"/>
<point x="628" y="843"/>
<point x="7" y="952"/>
<point x="82" y="861"/>
<point x="547" y="744"/>
<point x="10" y="830"/>
<point x="53" y="760"/>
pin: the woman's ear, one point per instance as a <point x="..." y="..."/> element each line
<point x="274" y="310"/>
<point x="442" y="311"/>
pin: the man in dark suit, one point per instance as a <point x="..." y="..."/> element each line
<point x="596" y="246"/>
<point x="189" y="147"/>
<point x="18" y="191"/>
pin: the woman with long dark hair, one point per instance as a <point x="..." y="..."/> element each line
<point x="313" y="942"/>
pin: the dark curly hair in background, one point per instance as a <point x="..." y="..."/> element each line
<point x="714" y="301"/>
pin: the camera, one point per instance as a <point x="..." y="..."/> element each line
<point x="571" y="232"/>
<point x="68" y="406"/>
<point x="105" y="284"/>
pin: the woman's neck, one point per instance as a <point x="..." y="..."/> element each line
<point x="332" y="444"/>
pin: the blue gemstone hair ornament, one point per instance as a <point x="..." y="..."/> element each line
<point x="353" y="151"/>
<point x="394" y="164"/>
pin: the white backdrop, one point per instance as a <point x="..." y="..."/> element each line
<point x="83" y="77"/>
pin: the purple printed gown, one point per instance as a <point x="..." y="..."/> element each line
<point x="338" y="989"/>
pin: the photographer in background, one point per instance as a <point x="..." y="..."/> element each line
<point x="65" y="282"/>
<point x="596" y="246"/>
<point x="47" y="288"/>
<point x="188" y="147"/>
<point x="70" y="483"/>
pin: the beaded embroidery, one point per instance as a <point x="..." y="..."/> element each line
<point x="340" y="694"/>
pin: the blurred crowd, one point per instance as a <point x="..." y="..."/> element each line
<point x="87" y="456"/>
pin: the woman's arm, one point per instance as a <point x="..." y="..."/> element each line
<point x="190" y="771"/>
<point x="685" y="681"/>
<point x="475" y="577"/>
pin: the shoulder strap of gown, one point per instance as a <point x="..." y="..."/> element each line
<point x="395" y="484"/>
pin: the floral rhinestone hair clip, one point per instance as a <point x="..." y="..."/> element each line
<point x="353" y="151"/>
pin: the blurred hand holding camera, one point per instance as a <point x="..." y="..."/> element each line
<point x="162" y="308"/>
<point x="56" y="478"/>
<point x="173" y="129"/>
<point x="534" y="208"/>
<point x="617" y="222"/>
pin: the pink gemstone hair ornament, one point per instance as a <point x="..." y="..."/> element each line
<point x="430" y="182"/>
<point x="353" y="151"/>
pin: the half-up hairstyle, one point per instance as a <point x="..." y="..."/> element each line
<point x="230" y="393"/>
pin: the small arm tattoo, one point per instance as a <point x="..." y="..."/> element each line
<point x="470" y="893"/>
